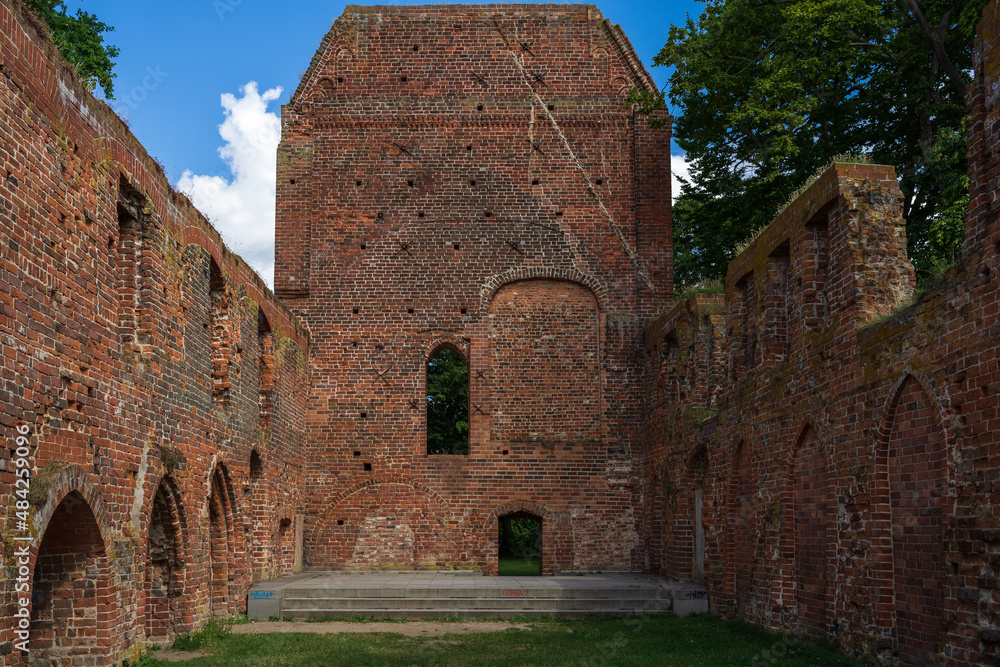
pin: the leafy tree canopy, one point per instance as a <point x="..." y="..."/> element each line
<point x="80" y="39"/>
<point x="769" y="91"/>
<point x="447" y="403"/>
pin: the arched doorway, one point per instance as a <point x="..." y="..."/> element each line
<point x="221" y="537"/>
<point x="520" y="544"/>
<point x="72" y="588"/>
<point x="164" y="565"/>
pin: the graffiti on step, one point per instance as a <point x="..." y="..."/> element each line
<point x="513" y="592"/>
<point x="261" y="595"/>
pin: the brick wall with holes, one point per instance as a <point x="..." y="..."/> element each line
<point x="149" y="363"/>
<point x="471" y="177"/>
<point x="841" y="482"/>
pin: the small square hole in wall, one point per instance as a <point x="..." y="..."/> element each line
<point x="472" y="183"/>
<point x="354" y="343"/>
<point x="457" y="246"/>
<point x="292" y="181"/>
<point x="534" y="181"/>
<point x="463" y="310"/>
<point x="364" y="246"/>
<point x="479" y="107"/>
<point x="403" y="79"/>
<point x="409" y="184"/>
<point x="600" y="181"/>
<point x="364" y="415"/>
<point x="355" y="310"/>
<point x="368" y="467"/>
<point x="409" y="310"/>
<point x="420" y="215"/>
<point x="488" y="214"/>
<point x="340" y="79"/>
<point x="416" y="48"/>
<point x="468" y="147"/>
<point x="357" y="183"/>
<point x="356" y="453"/>
<point x="559" y="213"/>
<point x="340" y="522"/>
<point x="379" y="216"/>
<point x="504" y="452"/>
<point x="552" y="107"/>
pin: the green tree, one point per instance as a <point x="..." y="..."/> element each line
<point x="80" y="39"/>
<point x="447" y="403"/>
<point x="768" y="91"/>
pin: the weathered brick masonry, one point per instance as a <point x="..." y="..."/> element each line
<point x="163" y="384"/>
<point x="831" y="470"/>
<point x="470" y="177"/>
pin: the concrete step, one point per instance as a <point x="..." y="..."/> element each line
<point x="423" y="595"/>
<point x="476" y="593"/>
<point x="595" y="605"/>
<point x="417" y="614"/>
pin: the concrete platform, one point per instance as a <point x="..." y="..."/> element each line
<point x="469" y="594"/>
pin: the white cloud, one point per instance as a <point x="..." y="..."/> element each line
<point x="242" y="206"/>
<point x="679" y="167"/>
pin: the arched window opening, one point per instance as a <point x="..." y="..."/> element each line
<point x="520" y="540"/>
<point x="72" y="594"/>
<point x="221" y="337"/>
<point x="447" y="403"/>
<point x="164" y="566"/>
<point x="266" y="368"/>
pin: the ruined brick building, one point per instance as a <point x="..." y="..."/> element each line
<point x="469" y="178"/>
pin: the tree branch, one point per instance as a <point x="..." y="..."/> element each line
<point x="937" y="44"/>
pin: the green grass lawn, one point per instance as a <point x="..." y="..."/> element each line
<point x="518" y="567"/>
<point x="625" y="640"/>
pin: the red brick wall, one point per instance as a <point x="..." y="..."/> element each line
<point x="851" y="458"/>
<point x="500" y="200"/>
<point x="131" y="385"/>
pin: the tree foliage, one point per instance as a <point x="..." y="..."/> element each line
<point x="770" y="90"/>
<point x="80" y="39"/>
<point x="447" y="403"/>
<point x="520" y="537"/>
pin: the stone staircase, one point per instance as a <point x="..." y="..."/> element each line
<point x="417" y="595"/>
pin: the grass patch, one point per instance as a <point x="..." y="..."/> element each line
<point x="214" y="632"/>
<point x="511" y="566"/>
<point x="701" y="640"/>
<point x="706" y="286"/>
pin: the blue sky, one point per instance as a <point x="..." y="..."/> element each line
<point x="178" y="59"/>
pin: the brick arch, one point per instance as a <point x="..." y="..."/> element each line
<point x="333" y="500"/>
<point x="165" y="575"/>
<point x="514" y="507"/>
<point x="69" y="479"/>
<point x="490" y="538"/>
<point x="223" y="540"/>
<point x="808" y="540"/>
<point x="695" y="476"/>
<point x="457" y="343"/>
<point x="75" y="605"/>
<point x="909" y="482"/>
<point x="388" y="521"/>
<point x="740" y="521"/>
<point x="493" y="285"/>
